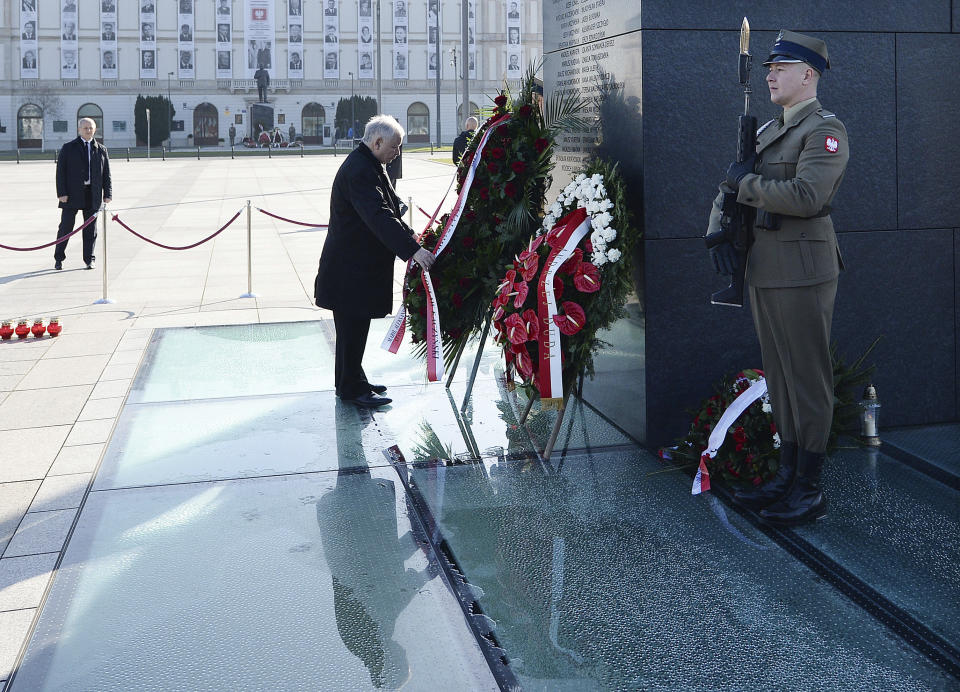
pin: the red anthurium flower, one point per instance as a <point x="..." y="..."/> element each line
<point x="509" y="356"/>
<point x="533" y="326"/>
<point x="553" y="238"/>
<point x="525" y="364"/>
<point x="541" y="144"/>
<point x="515" y="328"/>
<point x="492" y="167"/>
<point x="501" y="300"/>
<point x="588" y="246"/>
<point x="518" y="166"/>
<point x="570" y="266"/>
<point x="510" y="189"/>
<point x="557" y="287"/>
<point x="524" y="111"/>
<point x="522" y="289"/>
<point x="587" y="278"/>
<point x="507" y="284"/>
<point x="571" y="320"/>
<point x="529" y="266"/>
<point x="497" y="314"/>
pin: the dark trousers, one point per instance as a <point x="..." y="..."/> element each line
<point x="793" y="326"/>
<point x="262" y="91"/>
<point x="349" y="378"/>
<point x="67" y="219"/>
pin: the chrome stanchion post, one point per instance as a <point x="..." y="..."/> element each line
<point x="103" y="262"/>
<point x="410" y="210"/>
<point x="249" y="293"/>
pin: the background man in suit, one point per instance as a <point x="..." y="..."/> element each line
<point x="69" y="60"/>
<point x="108" y="6"/>
<point x="792" y="270"/>
<point x="331" y="8"/>
<point x="108" y="33"/>
<point x="223" y="7"/>
<point x="146" y="31"/>
<point x="108" y="63"/>
<point x="460" y="143"/>
<point x="223" y="33"/>
<point x="296" y="33"/>
<point x="295" y="62"/>
<point x="294" y="8"/>
<point x="69" y="31"/>
<point x="365" y="35"/>
<point x="514" y="12"/>
<point x="401" y="9"/>
<point x="28" y="6"/>
<point x="365" y="235"/>
<point x="83" y="180"/>
<point x="146" y="60"/>
<point x="29" y="60"/>
<point x="29" y="31"/>
<point x="186" y="60"/>
<point x="147" y="7"/>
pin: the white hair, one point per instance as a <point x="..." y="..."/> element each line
<point x="472" y="121"/>
<point x="385" y="126"/>
<point x="81" y="121"/>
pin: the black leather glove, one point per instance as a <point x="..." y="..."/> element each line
<point x="736" y="171"/>
<point x="725" y="259"/>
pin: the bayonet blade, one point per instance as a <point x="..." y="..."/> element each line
<point x="745" y="37"/>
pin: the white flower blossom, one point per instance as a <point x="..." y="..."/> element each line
<point x="776" y="440"/>
<point x="613" y="255"/>
<point x="601" y="192"/>
<point x="767" y="408"/>
<point x="592" y="207"/>
<point x="606" y="204"/>
<point x="609" y="234"/>
<point x="597" y="239"/>
<point x="580" y="178"/>
<point x="549" y="221"/>
<point x="556" y="209"/>
<point x="596" y="178"/>
<point x="598" y="259"/>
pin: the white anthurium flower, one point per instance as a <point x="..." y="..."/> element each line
<point x="598" y="259"/>
<point x="613" y="255"/>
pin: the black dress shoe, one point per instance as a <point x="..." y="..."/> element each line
<point x="378" y="388"/>
<point x="369" y="400"/>
<point x="90" y="264"/>
<point x="58" y="265"/>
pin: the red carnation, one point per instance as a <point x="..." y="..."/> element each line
<point x="501" y="100"/>
<point x="541" y="144"/>
<point x="587" y="278"/>
<point x="492" y="167"/>
<point x="498" y="152"/>
<point x="518" y="166"/>
<point x="510" y="189"/>
<point x="571" y="320"/>
<point x="522" y="289"/>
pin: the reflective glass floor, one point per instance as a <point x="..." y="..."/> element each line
<point x="246" y="530"/>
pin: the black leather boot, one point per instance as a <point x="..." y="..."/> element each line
<point x="775" y="488"/>
<point x="805" y="501"/>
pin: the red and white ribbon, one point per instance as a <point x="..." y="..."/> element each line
<point x="701" y="482"/>
<point x="570" y="230"/>
<point x="391" y="341"/>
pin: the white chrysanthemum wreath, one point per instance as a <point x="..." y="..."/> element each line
<point x="588" y="192"/>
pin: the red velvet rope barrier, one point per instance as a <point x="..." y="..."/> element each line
<point x="59" y="240"/>
<point x="299" y="223"/>
<point x="424" y="212"/>
<point x="184" y="247"/>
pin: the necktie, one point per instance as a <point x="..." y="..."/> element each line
<point x="88" y="161"/>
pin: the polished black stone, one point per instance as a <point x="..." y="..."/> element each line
<point x="928" y="141"/>
<point x="574" y="22"/>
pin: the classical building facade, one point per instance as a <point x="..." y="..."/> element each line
<point x="61" y="60"/>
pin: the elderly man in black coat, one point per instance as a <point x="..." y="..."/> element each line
<point x="83" y="180"/>
<point x="365" y="235"/>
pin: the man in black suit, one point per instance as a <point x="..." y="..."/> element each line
<point x="29" y="31"/>
<point x="147" y="8"/>
<point x="223" y="7"/>
<point x="108" y="33"/>
<point x="83" y="180"/>
<point x="295" y="62"/>
<point x="29" y="60"/>
<point x="262" y="78"/>
<point x="223" y="33"/>
<point x="365" y="236"/>
<point x="108" y="7"/>
<point x="69" y="31"/>
<point x="186" y="33"/>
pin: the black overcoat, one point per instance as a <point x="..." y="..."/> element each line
<point x="365" y="235"/>
<point x="72" y="171"/>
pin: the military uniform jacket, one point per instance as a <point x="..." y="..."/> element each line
<point x="365" y="236"/>
<point x="800" y="164"/>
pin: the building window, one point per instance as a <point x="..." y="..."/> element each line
<point x="418" y="123"/>
<point x="95" y="113"/>
<point x="29" y="126"/>
<point x="311" y="123"/>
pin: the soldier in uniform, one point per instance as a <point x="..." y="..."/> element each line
<point x="792" y="270"/>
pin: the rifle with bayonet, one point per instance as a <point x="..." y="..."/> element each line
<point x="736" y="220"/>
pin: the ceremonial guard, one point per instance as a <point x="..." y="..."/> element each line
<point x="792" y="269"/>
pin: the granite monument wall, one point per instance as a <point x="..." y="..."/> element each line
<point x="673" y="127"/>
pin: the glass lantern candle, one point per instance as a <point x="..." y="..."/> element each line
<point x="869" y="417"/>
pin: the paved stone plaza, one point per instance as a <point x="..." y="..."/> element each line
<point x="59" y="398"/>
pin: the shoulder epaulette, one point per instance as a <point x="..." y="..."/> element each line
<point x="766" y="125"/>
<point x="825" y="114"/>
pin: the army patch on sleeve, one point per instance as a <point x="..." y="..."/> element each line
<point x="831" y="144"/>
